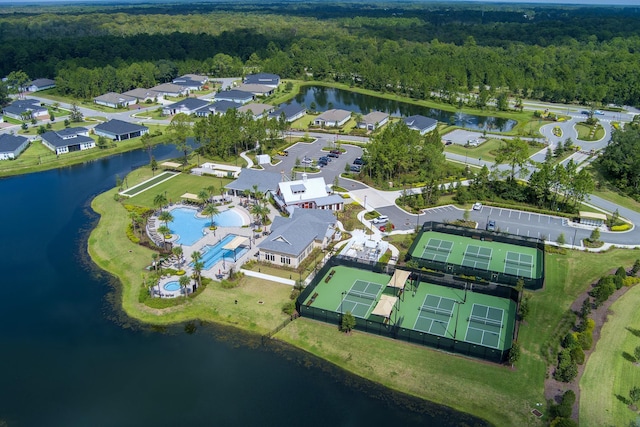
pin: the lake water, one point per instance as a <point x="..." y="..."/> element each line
<point x="70" y="357"/>
<point x="328" y="98"/>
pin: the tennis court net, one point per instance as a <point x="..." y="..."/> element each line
<point x="479" y="256"/>
<point x="437" y="249"/>
<point x="362" y="295"/>
<point x="427" y="309"/>
<point x="518" y="263"/>
<point x="485" y="321"/>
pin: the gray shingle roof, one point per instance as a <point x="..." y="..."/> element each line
<point x="289" y="111"/>
<point x="9" y="143"/>
<point x="419" y="122"/>
<point x="23" y="105"/>
<point x="114" y="98"/>
<point x="266" y="181"/>
<point x="262" y="79"/>
<point x="290" y="236"/>
<point x="119" y="127"/>
<point x="42" y="83"/>
<point x="57" y="138"/>
<point x="233" y="94"/>
<point x="191" y="104"/>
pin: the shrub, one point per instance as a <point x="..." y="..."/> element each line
<point x="228" y="284"/>
<point x="131" y="235"/>
<point x="569" y="341"/>
<point x="180" y="273"/>
<point x="622" y="227"/>
<point x="563" y="422"/>
<point x="631" y="280"/>
<point x="585" y="338"/>
<point x="289" y="307"/>
<point x="577" y="355"/>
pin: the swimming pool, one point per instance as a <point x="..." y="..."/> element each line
<point x="171" y="286"/>
<point x="189" y="227"/>
<point x="212" y="254"/>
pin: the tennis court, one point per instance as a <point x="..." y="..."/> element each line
<point x="434" y="315"/>
<point x="485" y="326"/>
<point x="518" y="264"/>
<point x="437" y="250"/>
<point x="477" y="257"/>
<point x="360" y="298"/>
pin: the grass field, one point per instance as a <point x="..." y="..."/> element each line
<point x="610" y="371"/>
<point x="584" y="132"/>
<point x="487" y="151"/>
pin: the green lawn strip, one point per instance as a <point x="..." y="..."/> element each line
<point x="496" y="393"/>
<point x="487" y="150"/>
<point x="608" y="372"/>
<point x="174" y="187"/>
<point x="147" y="184"/>
<point x="584" y="132"/>
<point x="617" y="198"/>
<point x="112" y="251"/>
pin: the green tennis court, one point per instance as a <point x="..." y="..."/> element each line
<point x="437" y="250"/>
<point x="435" y="315"/>
<point x="485" y="326"/>
<point x="360" y="298"/>
<point x="518" y="264"/>
<point x="480" y="254"/>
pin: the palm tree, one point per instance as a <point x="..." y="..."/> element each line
<point x="203" y="195"/>
<point x="160" y="200"/>
<point x="184" y="281"/>
<point x="210" y="210"/>
<point x="261" y="212"/>
<point x="136" y="219"/>
<point x="178" y="252"/>
<point x="165" y="231"/>
<point x="166" y="217"/>
<point x="211" y="189"/>
<point x="198" y="265"/>
<point x="155" y="257"/>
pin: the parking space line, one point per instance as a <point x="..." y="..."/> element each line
<point x="519" y="214"/>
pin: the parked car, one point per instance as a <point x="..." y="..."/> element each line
<point x="355" y="168"/>
<point x="307" y="161"/>
<point x="332" y="154"/>
<point x="599" y="113"/>
<point x="338" y="152"/>
<point x="325" y="159"/>
<point x="283" y="153"/>
<point x="491" y="225"/>
<point x="382" y="219"/>
<point x="448" y="142"/>
<point x="477" y="206"/>
<point x="385" y="227"/>
<point x="358" y="161"/>
<point x="322" y="163"/>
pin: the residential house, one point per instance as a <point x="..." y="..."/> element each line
<point x="171" y="89"/>
<point x="373" y="120"/>
<point x="306" y="194"/>
<point x="332" y="118"/>
<point x="11" y="146"/>
<point x="421" y="123"/>
<point x="68" y="140"/>
<point x="26" y="109"/>
<point x="292" y="239"/>
<point x="218" y="107"/>
<point x="290" y="112"/>
<point x="266" y="79"/>
<point x="187" y="106"/>
<point x="119" y="130"/>
<point x="40" y="84"/>
<point x="234" y="95"/>
<point x="144" y="95"/>
<point x="258" y="111"/>
<point x="191" y="81"/>
<point x="265" y="182"/>
<point x="256" y="89"/>
<point x="115" y="100"/>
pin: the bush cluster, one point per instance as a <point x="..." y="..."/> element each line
<point x="621" y="227"/>
<point x="561" y="413"/>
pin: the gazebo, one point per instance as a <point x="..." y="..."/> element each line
<point x="399" y="280"/>
<point x="235" y="244"/>
<point x="385" y="306"/>
<point x="190" y="197"/>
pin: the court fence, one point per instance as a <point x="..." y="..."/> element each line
<point x="488" y="275"/>
<point x="378" y="325"/>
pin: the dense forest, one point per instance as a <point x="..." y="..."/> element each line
<point x="561" y="54"/>
<point x="620" y="161"/>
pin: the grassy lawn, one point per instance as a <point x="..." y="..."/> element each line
<point x="487" y="151"/>
<point x="609" y="373"/>
<point x="112" y="251"/>
<point x="584" y="132"/>
<point x="174" y="187"/>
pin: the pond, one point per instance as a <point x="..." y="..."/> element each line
<point x="326" y="98"/>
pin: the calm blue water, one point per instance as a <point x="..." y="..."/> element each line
<point x="171" y="286"/>
<point x="327" y="98"/>
<point x="189" y="227"/>
<point x="214" y="253"/>
<point x="70" y="357"/>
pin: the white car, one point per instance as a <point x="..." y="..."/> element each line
<point x="307" y="161"/>
<point x="382" y="219"/>
<point x="477" y="206"/>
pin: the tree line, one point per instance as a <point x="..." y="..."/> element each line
<point x="416" y="59"/>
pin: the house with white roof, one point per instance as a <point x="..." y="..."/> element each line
<point x="144" y="95"/>
<point x="115" y="100"/>
<point x="171" y="89"/>
<point x="68" y="140"/>
<point x="191" y="81"/>
<point x="292" y="239"/>
<point x="332" y="118"/>
<point x="257" y="89"/>
<point x="11" y="146"/>
<point x="266" y="79"/>
<point x="421" y="123"/>
<point x="306" y="194"/>
<point x="373" y="120"/>
<point x="234" y="95"/>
